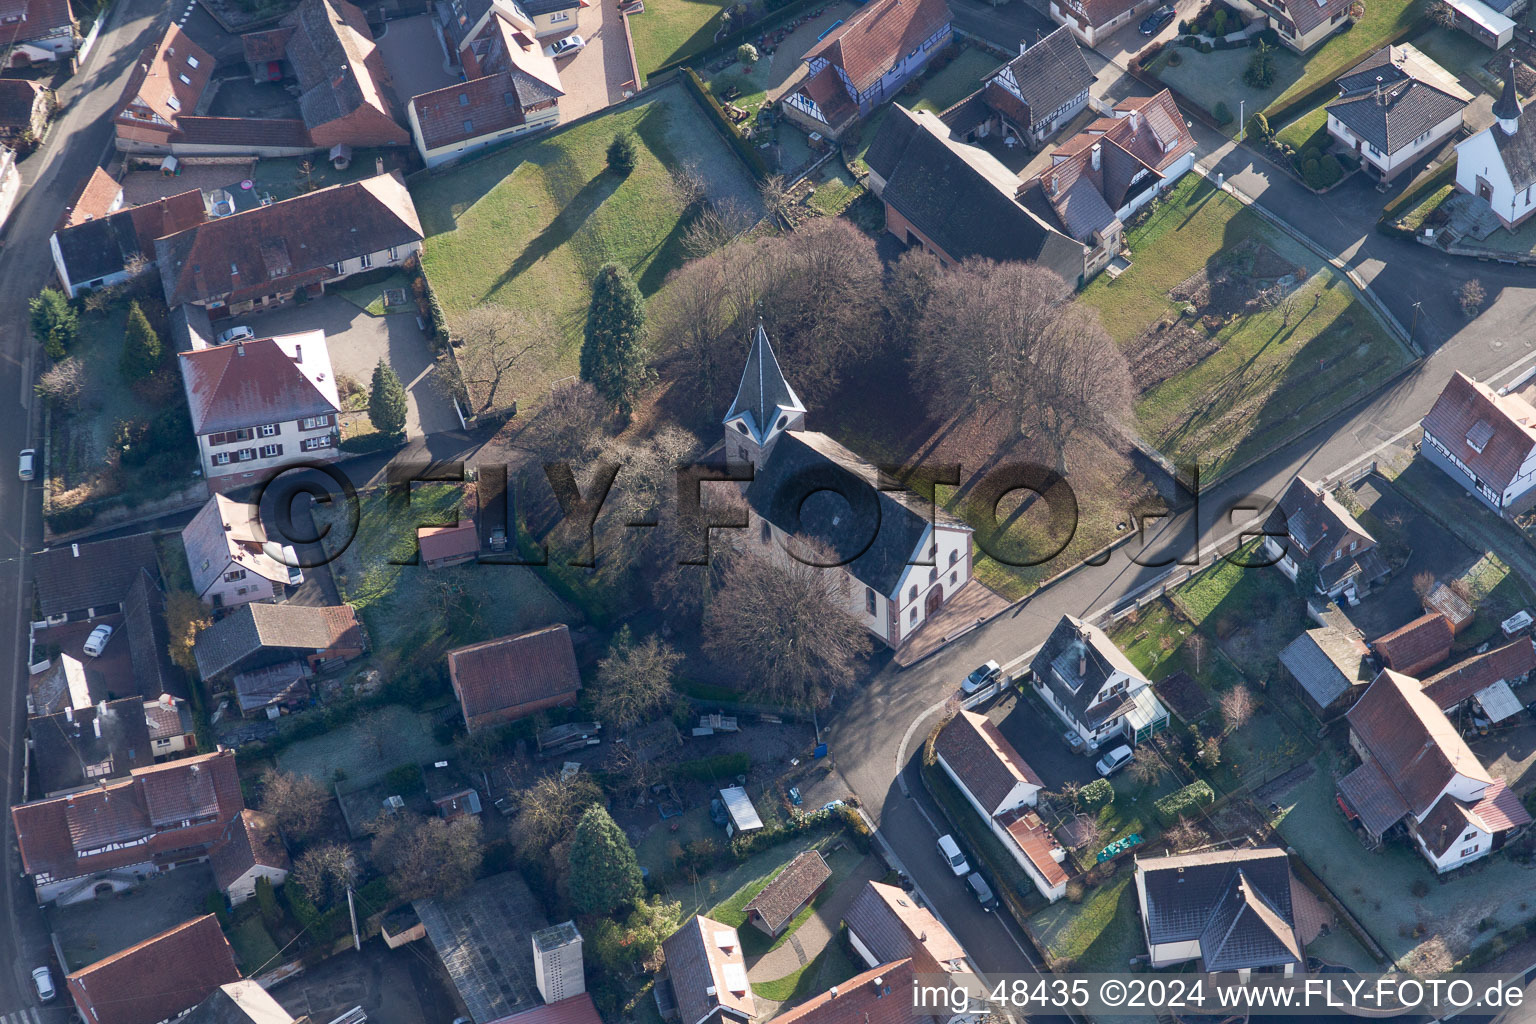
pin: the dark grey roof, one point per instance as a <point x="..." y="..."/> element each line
<point x="484" y="939"/>
<point x="190" y="327"/>
<point x="76" y="748"/>
<point x="1051" y="73"/>
<point x="1236" y="902"/>
<point x="227" y="1005"/>
<point x="1519" y="153"/>
<point x="531" y="90"/>
<point x="1364" y="75"/>
<point x="274" y="628"/>
<point x="1083" y="211"/>
<point x="1073" y="644"/>
<point x="99" y="576"/>
<point x="99" y="248"/>
<point x="877" y="536"/>
<point x="1507" y="107"/>
<point x="149" y="640"/>
<point x="1395" y="118"/>
<point x="537" y="7"/>
<point x="1327" y="663"/>
<point x="956" y="206"/>
<point x="270" y="684"/>
<point x="764" y="394"/>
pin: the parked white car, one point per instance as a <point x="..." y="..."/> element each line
<point x="1114" y="760"/>
<point x="950" y="851"/>
<point x="570" y="44"/>
<point x="236" y="334"/>
<point x="97" y="641"/>
<point x="983" y="675"/>
<point x="42" y="980"/>
<point x="26" y="465"/>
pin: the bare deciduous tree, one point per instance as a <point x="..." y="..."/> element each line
<point x="491" y="339"/>
<point x="1009" y="336"/>
<point x="634" y="680"/>
<point x="775" y="193"/>
<point x="1471" y="295"/>
<point x="1147" y="765"/>
<point x="324" y="872"/>
<point x="64" y="381"/>
<point x="689" y="186"/>
<point x="1442" y="14"/>
<point x="1090" y="833"/>
<point x="1423" y="583"/>
<point x="1237" y="707"/>
<point x="548" y="811"/>
<point x="426" y="857"/>
<point x="297" y="801"/>
<point x="568" y="424"/>
<point x="1196" y="644"/>
<point x="793" y="618"/>
<point x="1184" y="835"/>
<point x="714" y="226"/>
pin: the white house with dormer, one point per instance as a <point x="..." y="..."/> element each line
<point x="1498" y="164"/>
<point x="899" y="558"/>
<point x="1093" y="688"/>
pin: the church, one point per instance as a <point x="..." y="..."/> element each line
<point x="902" y="558"/>
<point x="1498" y="164"/>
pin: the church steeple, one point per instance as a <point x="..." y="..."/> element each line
<point x="1507" y="109"/>
<point x="765" y="406"/>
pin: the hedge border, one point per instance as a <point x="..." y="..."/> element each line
<point x="716" y="115"/>
<point x="745" y="34"/>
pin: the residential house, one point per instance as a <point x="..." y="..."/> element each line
<point x="37" y="31"/>
<point x="250" y="849"/>
<point x="1421" y="644"/>
<point x="263" y="255"/>
<point x="230" y="558"/>
<point x="1485" y="441"/>
<point x="1103" y="175"/>
<point x="790" y="891"/>
<point x="1094" y="20"/>
<point x="864" y="60"/>
<point x="75" y="748"/>
<point x="511" y="677"/>
<point x="239" y="1002"/>
<point x="1310" y="526"/>
<point x="345" y="93"/>
<point x="149" y="644"/>
<point x="902" y="559"/>
<point x="1418" y="775"/>
<point x="959" y="201"/>
<point x="256" y="405"/>
<point x="24" y="108"/>
<point x="116" y="834"/>
<point x="83" y="581"/>
<point x="511" y="88"/>
<point x="1003" y="789"/>
<point x="707" y="973"/>
<point x="1030" y="98"/>
<point x="1229" y="909"/>
<point x="169" y="82"/>
<point x="99" y="196"/>
<point x="101" y="252"/>
<point x="1490" y="22"/>
<point x="886" y="923"/>
<point x="1395" y="106"/>
<point x="1301" y="24"/>
<point x="1331" y="668"/>
<point x="1486" y="679"/>
<point x="157" y="979"/>
<point x="1498" y="164"/>
<point x="462" y="18"/>
<point x="171" y="728"/>
<point x="880" y="995"/>
<point x="1093" y="687"/>
<point x="257" y="635"/>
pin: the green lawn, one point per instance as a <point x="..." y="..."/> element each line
<point x="1310" y="129"/>
<point x="532" y="224"/>
<point x="732" y="910"/>
<point x="253" y="946"/>
<point x="1384" y="20"/>
<point x="942" y="89"/>
<point x="1273" y="372"/>
<point x="1098" y="934"/>
<point x="832" y="966"/>
<point x="672" y="29"/>
<point x="1217" y="77"/>
<point x="1157" y="642"/>
<point x="370" y="297"/>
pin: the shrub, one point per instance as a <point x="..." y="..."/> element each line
<point x="1097" y="794"/>
<point x="1187" y="802"/>
<point x="1258" y="126"/>
<point x="55" y="324"/>
<point x="1206" y="47"/>
<point x="386" y="401"/>
<point x="1219" y="23"/>
<point x="746" y="53"/>
<point x="214" y="904"/>
<point x="1175" y="59"/>
<point x="1329" y="171"/>
<point x="1311" y="153"/>
<point x="1222" y="113"/>
<point x="858" y="830"/>
<point x="402" y="777"/>
<point x="721" y="766"/>
<point x="266" y="900"/>
<point x="1309" y="170"/>
<point x="66" y="518"/>
<point x="1075" y="891"/>
<point x="1471" y="295"/>
<point x="1183" y="26"/>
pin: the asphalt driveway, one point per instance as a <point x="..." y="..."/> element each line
<point x="413" y="53"/>
<point x="357" y="341"/>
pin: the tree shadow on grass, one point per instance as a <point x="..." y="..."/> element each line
<point x="592" y="195"/>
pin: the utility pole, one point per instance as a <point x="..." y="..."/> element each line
<point x="357" y="941"/>
<point x="1415" y="325"/>
<point x="1242" y="125"/>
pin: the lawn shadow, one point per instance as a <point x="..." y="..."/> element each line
<point x="575" y="212"/>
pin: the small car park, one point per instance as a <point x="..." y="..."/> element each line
<point x="950" y="851"/>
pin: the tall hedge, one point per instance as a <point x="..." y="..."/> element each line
<point x="1184" y="802"/>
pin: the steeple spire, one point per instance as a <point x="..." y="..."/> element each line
<point x="1507" y="109"/>
<point x="765" y="404"/>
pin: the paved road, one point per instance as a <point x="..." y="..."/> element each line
<point x="77" y="144"/>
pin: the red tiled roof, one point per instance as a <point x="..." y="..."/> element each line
<point x="514" y="670"/>
<point x="250" y="840"/>
<point x="870" y="42"/>
<point x="984" y="760"/>
<point x="1035" y="839"/>
<point x="437" y="542"/>
<point x="166" y="216"/>
<point x="573" y="1010"/>
<point x="94" y="200"/>
<point x="243" y="385"/>
<point x="1417" y="748"/>
<point x="1500" y="809"/>
<point x="37" y="18"/>
<point x="893" y="926"/>
<point x="826" y="90"/>
<point x="278" y="247"/>
<point x="267" y="45"/>
<point x="1096" y="12"/>
<point x="157" y="978"/>
<point x="1422" y="643"/>
<point x="698" y="955"/>
<point x="1462" y="680"/>
<point x="165" y="79"/>
<point x="861" y="1000"/>
<point x="487" y="106"/>
<point x="1504" y="426"/>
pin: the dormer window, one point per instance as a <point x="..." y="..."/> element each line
<point x="173" y="102"/>
<point x="1479" y="435"/>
